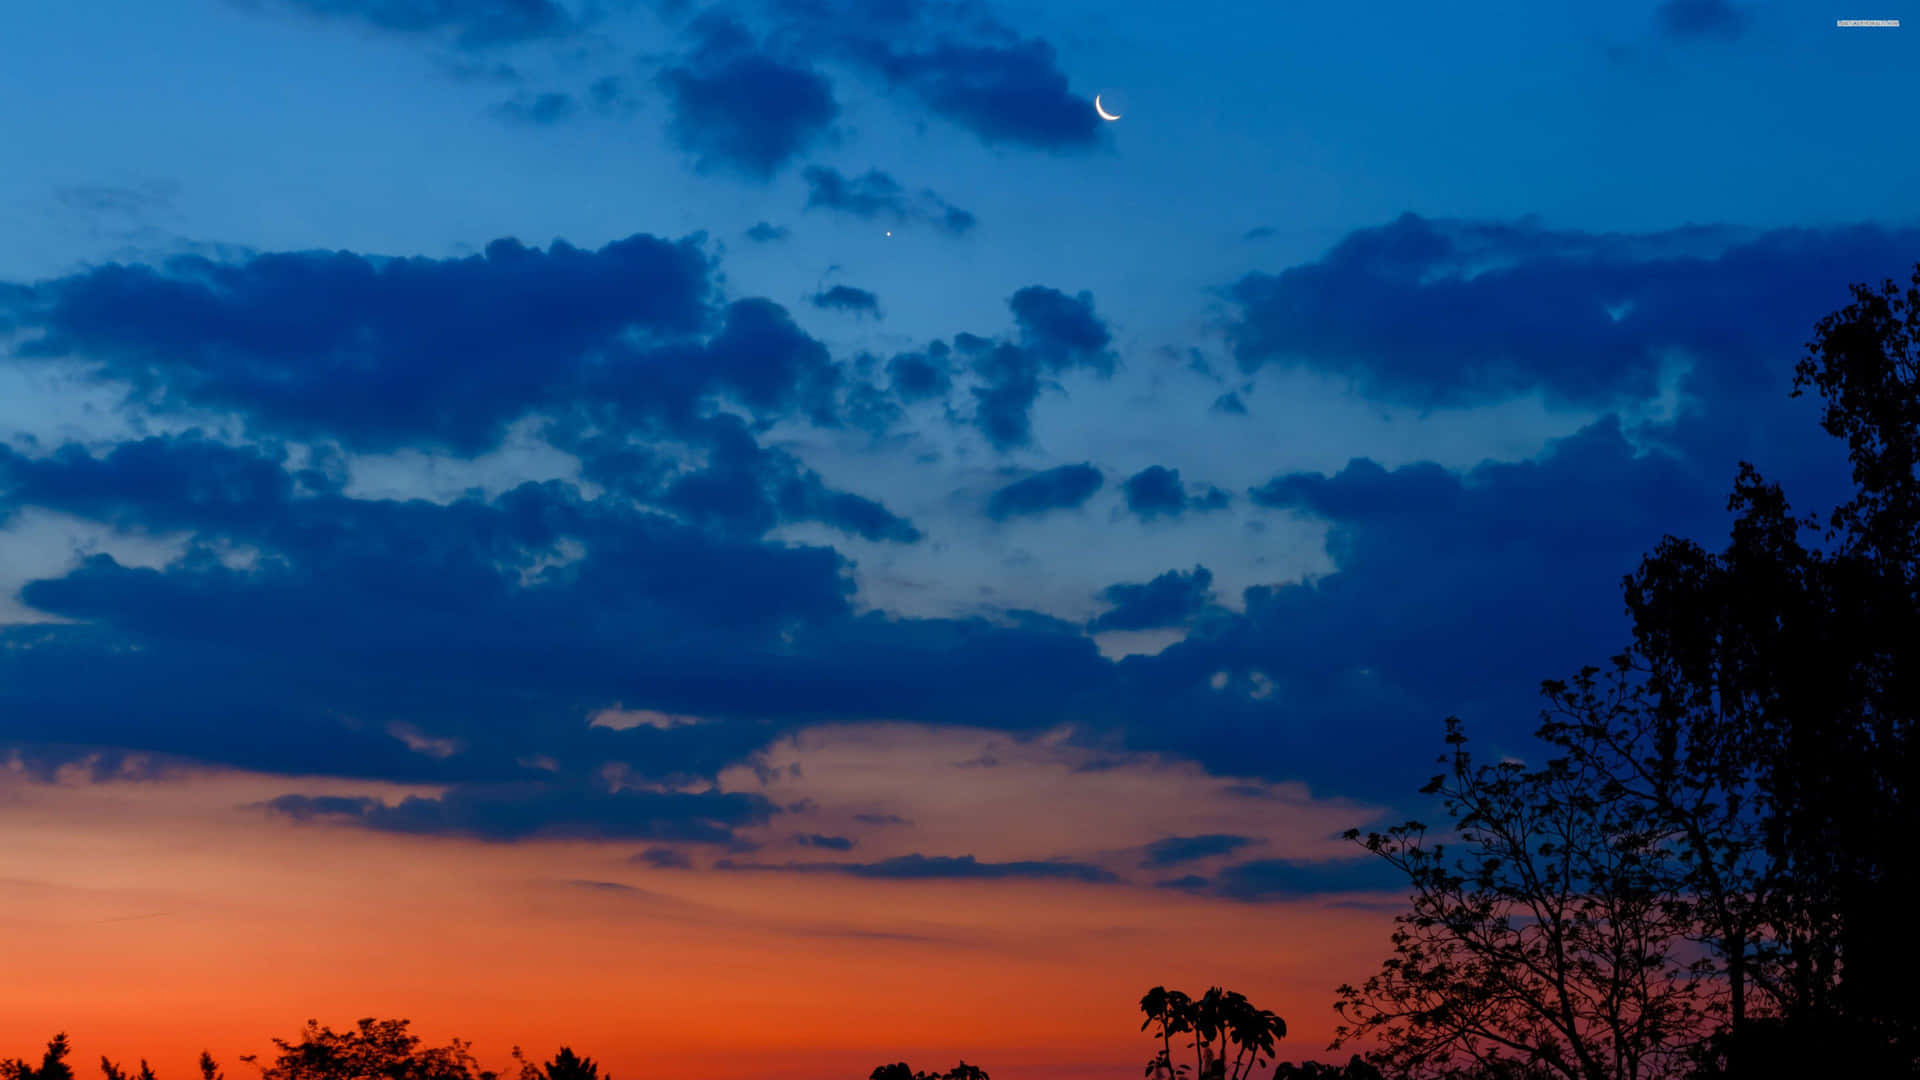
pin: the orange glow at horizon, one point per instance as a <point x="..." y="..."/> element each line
<point x="154" y="918"/>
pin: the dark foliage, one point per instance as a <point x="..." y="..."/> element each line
<point x="1711" y="873"/>
<point x="1230" y="1037"/>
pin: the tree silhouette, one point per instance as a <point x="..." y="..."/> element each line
<point x="373" y="1050"/>
<point x="899" y="1070"/>
<point x="53" y="1064"/>
<point x="1545" y="937"/>
<point x="566" y="1065"/>
<point x="114" y="1072"/>
<point x="1712" y="871"/>
<point x="1230" y="1037"/>
<point x="1356" y="1068"/>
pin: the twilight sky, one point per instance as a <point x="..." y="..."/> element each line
<point x="767" y="537"/>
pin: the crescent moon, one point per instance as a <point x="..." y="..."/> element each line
<point x="1104" y="114"/>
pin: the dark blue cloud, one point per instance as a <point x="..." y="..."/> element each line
<point x="461" y="644"/>
<point x="497" y="626"/>
<point x="846" y="298"/>
<point x="1172" y="599"/>
<point x="1286" y="879"/>
<point x="1062" y="488"/>
<point x="521" y="811"/>
<point x="764" y="232"/>
<point x="663" y="858"/>
<point x="1062" y="329"/>
<point x="874" y="195"/>
<point x="1454" y="593"/>
<point x="471" y="23"/>
<point x="384" y="353"/>
<point x="1230" y="403"/>
<point x="919" y="867"/>
<point x="1687" y="19"/>
<point x="917" y="376"/>
<point x="739" y="108"/>
<point x="1156" y="491"/>
<point x="1174" y="850"/>
<point x="1438" y="312"/>
<point x="746" y="490"/>
<point x="1056" y="333"/>
<point x="959" y="61"/>
<point x="827" y="843"/>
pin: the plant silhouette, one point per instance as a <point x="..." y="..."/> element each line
<point x="53" y="1064"/>
<point x="1711" y="872"/>
<point x="1229" y="1035"/>
<point x="114" y="1072"/>
<point x="565" y="1065"/>
<point x="373" y="1050"/>
<point x="899" y="1070"/>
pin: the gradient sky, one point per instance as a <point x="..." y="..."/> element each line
<point x="766" y="538"/>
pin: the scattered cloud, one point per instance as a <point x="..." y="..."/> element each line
<point x="1063" y="488"/>
<point x="875" y="195"/>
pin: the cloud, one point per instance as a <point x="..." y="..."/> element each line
<point x="1483" y="311"/>
<point x="961" y="63"/>
<point x="917" y="867"/>
<point x="1230" y="404"/>
<point x="503" y="812"/>
<point x="381" y="353"/>
<point x="1692" y="19"/>
<point x="1061" y="488"/>
<point x="1057" y="333"/>
<point x="881" y="819"/>
<point x="538" y="110"/>
<point x="828" y="843"/>
<point x="663" y="858"/>
<point x="875" y="195"/>
<point x="470" y="23"/>
<point x="767" y="233"/>
<point x="295" y="629"/>
<point x="848" y="299"/>
<point x="1062" y="329"/>
<point x="736" y="107"/>
<point x="1286" y="879"/>
<point x="917" y="376"/>
<point x="1172" y="599"/>
<point x="1156" y="491"/>
<point x="1174" y="850"/>
<point x="1186" y="883"/>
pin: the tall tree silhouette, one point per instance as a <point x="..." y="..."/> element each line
<point x="1794" y="653"/>
<point x="53" y="1063"/>
<point x="1716" y="851"/>
<point x="1229" y="1035"/>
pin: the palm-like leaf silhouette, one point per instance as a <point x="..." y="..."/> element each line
<point x="1230" y="1036"/>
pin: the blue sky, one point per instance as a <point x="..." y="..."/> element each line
<point x="390" y="388"/>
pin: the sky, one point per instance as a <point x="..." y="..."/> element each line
<point x="768" y="536"/>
